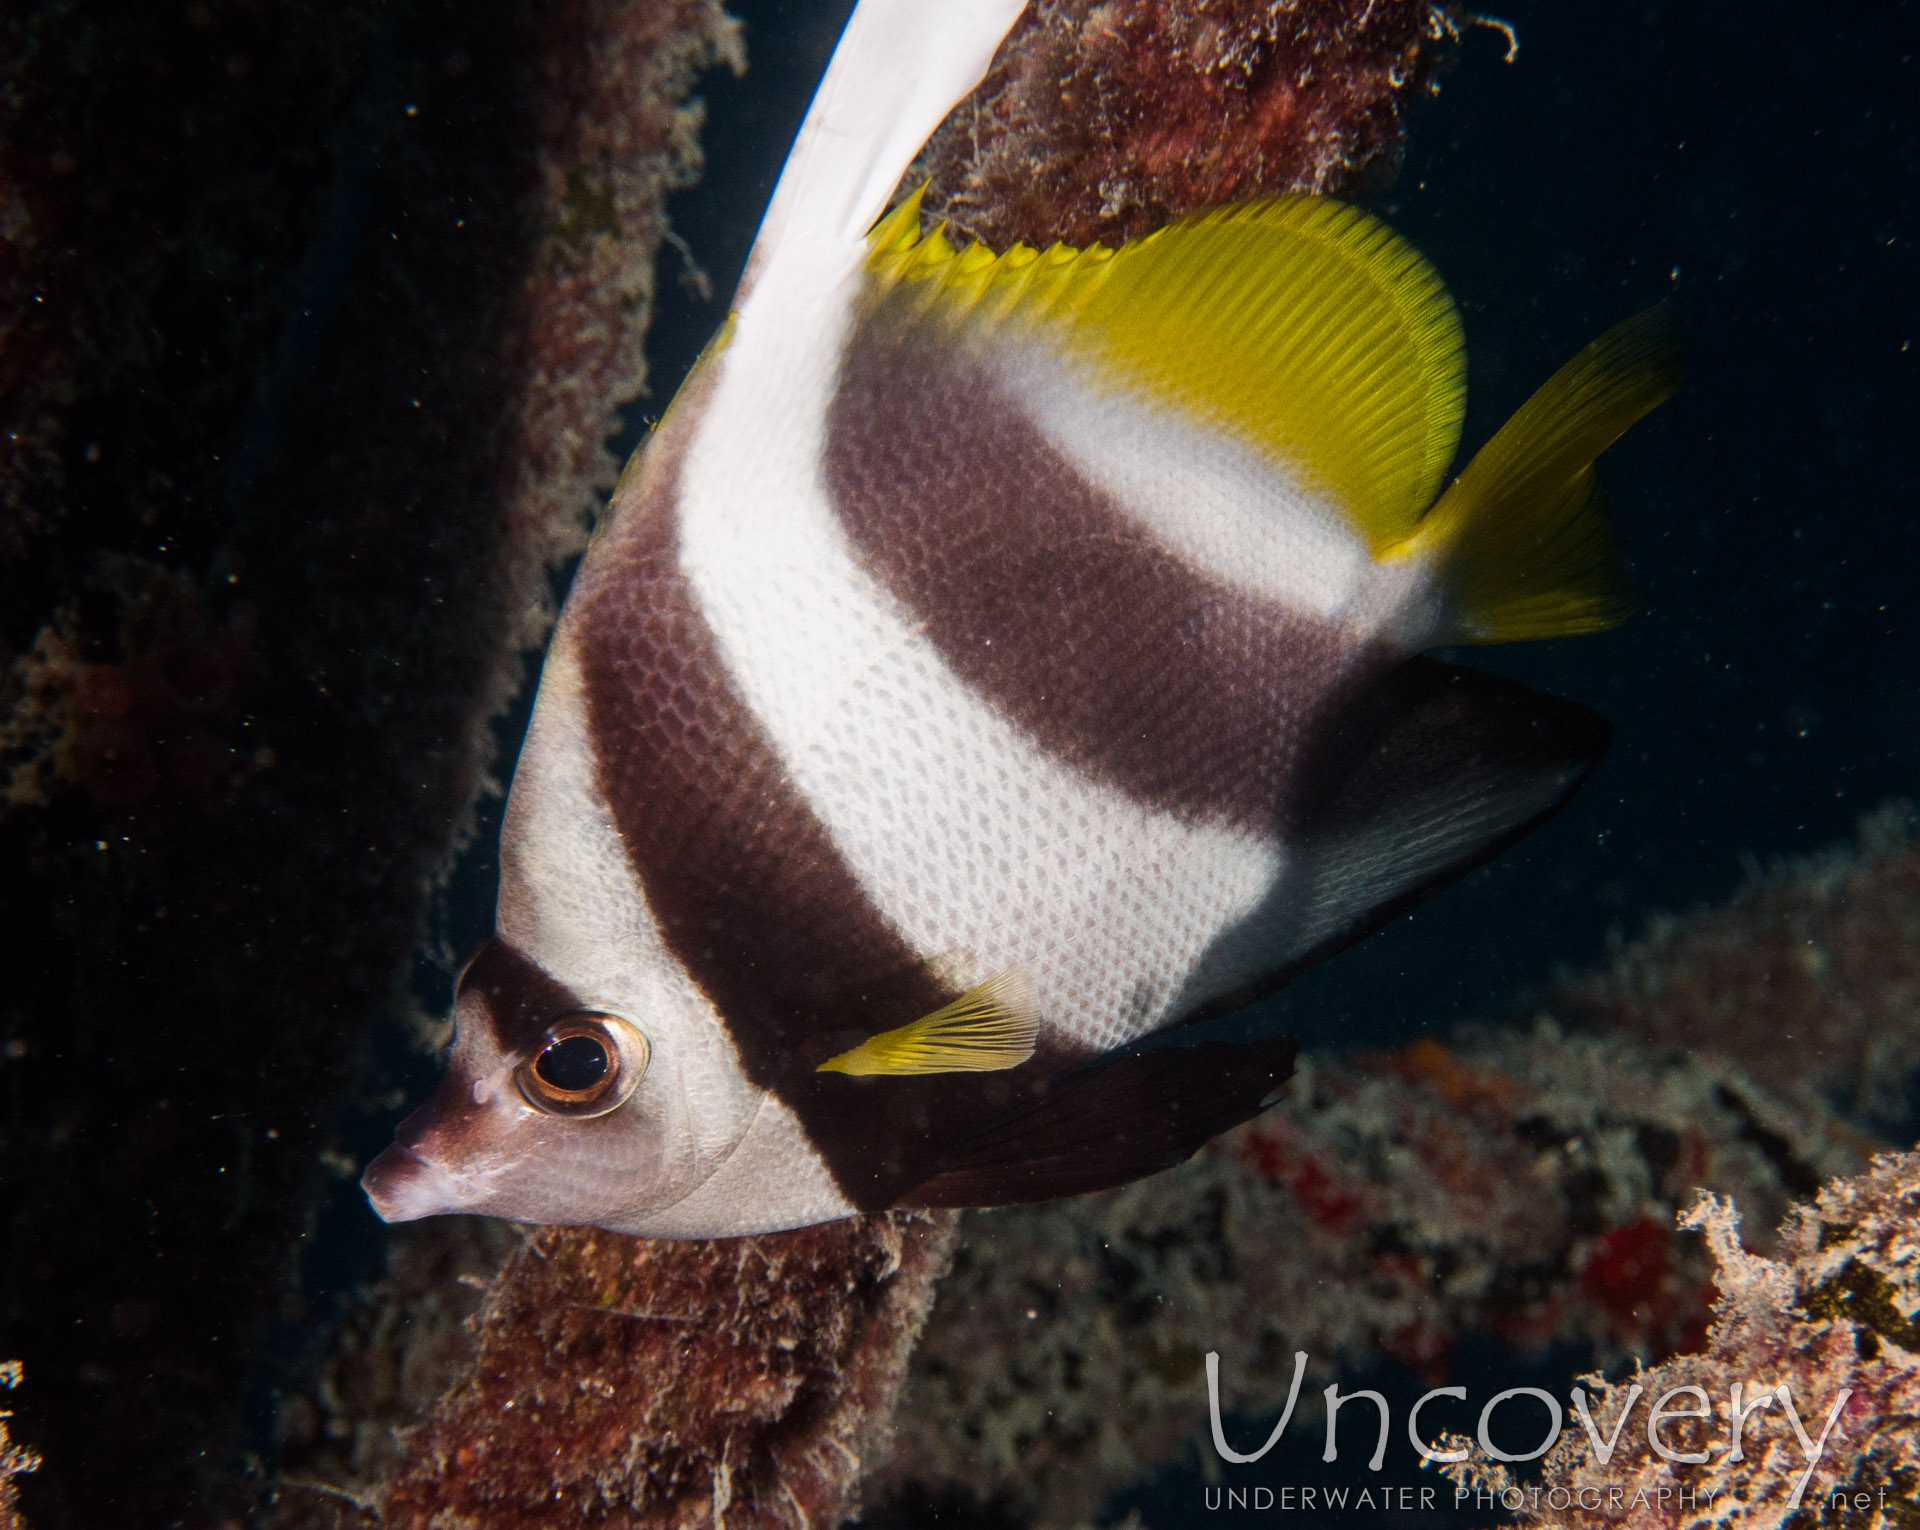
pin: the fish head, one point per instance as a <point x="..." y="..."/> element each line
<point x="551" y="1110"/>
<point x="591" y="1080"/>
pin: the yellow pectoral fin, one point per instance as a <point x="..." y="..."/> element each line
<point x="989" y="1027"/>
<point x="1521" y="540"/>
<point x="1302" y="327"/>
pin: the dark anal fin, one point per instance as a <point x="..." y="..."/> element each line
<point x="1116" y="1120"/>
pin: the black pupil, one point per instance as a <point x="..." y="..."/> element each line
<point x="573" y="1063"/>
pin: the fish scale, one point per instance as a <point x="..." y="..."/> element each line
<point x="989" y="663"/>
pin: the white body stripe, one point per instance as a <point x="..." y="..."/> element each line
<point x="567" y="889"/>
<point x="568" y="892"/>
<point x="773" y="1179"/>
<point x="966" y="834"/>
<point x="1225" y="509"/>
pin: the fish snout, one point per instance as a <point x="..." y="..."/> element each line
<point x="404" y="1187"/>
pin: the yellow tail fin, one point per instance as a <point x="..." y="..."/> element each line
<point x="989" y="1027"/>
<point x="1521" y="537"/>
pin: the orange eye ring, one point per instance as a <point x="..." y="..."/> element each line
<point x="588" y="1064"/>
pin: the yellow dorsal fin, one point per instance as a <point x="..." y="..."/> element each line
<point x="989" y="1027"/>
<point x="1521" y="539"/>
<point x="1300" y="326"/>
<point x="899" y="229"/>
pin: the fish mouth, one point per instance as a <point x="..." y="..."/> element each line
<point x="404" y="1187"/>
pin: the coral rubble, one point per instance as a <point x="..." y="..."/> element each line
<point x="1823" y="1337"/>
<point x="744" y="1381"/>
<point x="1523" y="1185"/>
<point x="315" y="323"/>
<point x="1103" y="119"/>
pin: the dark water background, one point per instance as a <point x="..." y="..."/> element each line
<point x="1757" y="162"/>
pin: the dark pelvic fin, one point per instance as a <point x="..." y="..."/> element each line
<point x="1116" y="1120"/>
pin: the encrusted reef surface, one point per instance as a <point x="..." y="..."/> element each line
<point x="1833" y="1321"/>
<point x="313" y="323"/>
<point x="1808" y="976"/>
<point x="1104" y="119"/>
<point x="1521" y="1186"/>
<point x="744" y="1381"/>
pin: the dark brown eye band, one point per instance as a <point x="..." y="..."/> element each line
<point x="587" y="1065"/>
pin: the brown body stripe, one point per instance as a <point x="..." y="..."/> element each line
<point x="751" y="894"/>
<point x="519" y="1000"/>
<point x="522" y="998"/>
<point x="1044" y="598"/>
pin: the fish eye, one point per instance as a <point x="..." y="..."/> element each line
<point x="587" y="1065"/>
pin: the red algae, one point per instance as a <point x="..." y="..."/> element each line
<point x="1831" y="1320"/>
<point x="1629" y="1266"/>
<point x="1104" y="119"/>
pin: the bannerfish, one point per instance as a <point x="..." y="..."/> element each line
<point x="989" y="665"/>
